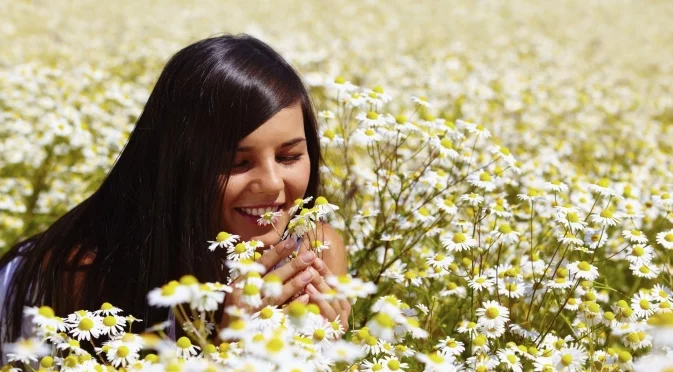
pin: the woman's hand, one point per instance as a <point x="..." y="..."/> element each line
<point x="316" y="290"/>
<point x="293" y="275"/>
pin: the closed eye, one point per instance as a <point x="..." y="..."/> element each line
<point x="288" y="159"/>
<point x="282" y="159"/>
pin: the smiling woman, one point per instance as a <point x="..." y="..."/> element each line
<point x="227" y="134"/>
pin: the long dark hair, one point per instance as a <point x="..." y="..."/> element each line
<point x="149" y="220"/>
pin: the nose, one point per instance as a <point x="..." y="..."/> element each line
<point x="268" y="180"/>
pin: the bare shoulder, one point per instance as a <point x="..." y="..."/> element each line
<point x="335" y="256"/>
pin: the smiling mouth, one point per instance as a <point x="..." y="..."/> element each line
<point x="253" y="214"/>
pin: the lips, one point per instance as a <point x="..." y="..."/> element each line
<point x="253" y="213"/>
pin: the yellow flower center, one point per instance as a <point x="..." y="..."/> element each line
<point x="250" y="290"/>
<point x="239" y="248"/>
<point x="446" y="143"/>
<point x="459" y="238"/>
<point x="319" y="334"/>
<point x="109" y="321"/>
<point x="606" y="214"/>
<point x="123" y="351"/>
<point x="572" y="217"/>
<point x="85" y="324"/>
<point x="371" y="115"/>
<point x="567" y="359"/>
<point x="584" y="266"/>
<point x="184" y="342"/>
<point x="46" y="311"/>
<point x="504" y="229"/>
<point x="275" y="345"/>
<point x="188" y="280"/>
<point x="492" y="312"/>
<point x="222" y="236"/>
<point x="644" y="304"/>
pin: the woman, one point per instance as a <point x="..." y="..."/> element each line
<point x="227" y="133"/>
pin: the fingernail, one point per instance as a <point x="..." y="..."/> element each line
<point x="318" y="264"/>
<point x="285" y="245"/>
<point x="307" y="257"/>
<point x="306" y="276"/>
<point x="303" y="298"/>
<point x="311" y="289"/>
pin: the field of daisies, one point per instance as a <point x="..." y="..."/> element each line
<point x="501" y="172"/>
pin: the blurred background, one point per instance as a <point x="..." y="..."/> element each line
<point x="578" y="87"/>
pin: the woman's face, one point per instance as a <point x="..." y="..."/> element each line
<point x="270" y="171"/>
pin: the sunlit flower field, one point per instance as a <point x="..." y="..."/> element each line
<point x="501" y="172"/>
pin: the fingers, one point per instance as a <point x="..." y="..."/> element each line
<point x="271" y="257"/>
<point x="292" y="287"/>
<point x="326" y="309"/>
<point x="296" y="265"/>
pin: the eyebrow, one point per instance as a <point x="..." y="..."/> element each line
<point x="285" y="144"/>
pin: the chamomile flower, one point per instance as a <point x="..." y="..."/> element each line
<point x="185" y="349"/>
<point x="112" y="325"/>
<point x="246" y="266"/>
<point x="107" y="309"/>
<point x="642" y="305"/>
<point x="445" y="147"/>
<point x="440" y="260"/>
<point x="570" y="358"/>
<point x="602" y="188"/>
<point x="606" y="218"/>
<point x="480" y="283"/>
<point x="644" y="270"/>
<point x="458" y="242"/>
<point x="447" y="206"/>
<point x="505" y="234"/>
<point x="472" y="199"/>
<point x="450" y="346"/>
<point x="639" y="254"/>
<point x="170" y="294"/>
<point x="436" y="362"/>
<point x="571" y="221"/>
<point x="492" y="314"/>
<point x="421" y="101"/>
<point x="269" y="318"/>
<point x="269" y="218"/>
<point x="205" y="298"/>
<point x="26" y="350"/>
<point x="223" y="240"/>
<point x="121" y="355"/>
<point x="343" y="351"/>
<point x="665" y="239"/>
<point x="273" y="285"/>
<point x="319" y="246"/>
<point x="595" y="238"/>
<point x="555" y="186"/>
<point x="85" y="326"/>
<point x="366" y="136"/>
<point x="509" y="358"/>
<point x="323" y="208"/>
<point x="483" y="180"/>
<point x="583" y="270"/>
<point x="635" y="236"/>
<point x="661" y="293"/>
<point x="372" y="119"/>
<point x="240" y="251"/>
<point x="299" y="204"/>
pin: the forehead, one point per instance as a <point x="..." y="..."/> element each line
<point x="285" y="125"/>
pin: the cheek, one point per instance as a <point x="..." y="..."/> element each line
<point x="234" y="188"/>
<point x="297" y="179"/>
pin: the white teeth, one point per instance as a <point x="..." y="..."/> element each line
<point x="259" y="211"/>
